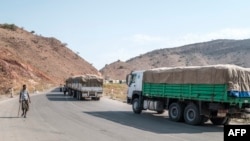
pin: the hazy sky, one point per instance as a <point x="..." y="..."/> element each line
<point x="103" y="31"/>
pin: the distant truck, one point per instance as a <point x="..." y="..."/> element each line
<point x="85" y="86"/>
<point x="192" y="94"/>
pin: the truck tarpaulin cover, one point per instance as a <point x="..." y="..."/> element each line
<point x="87" y="80"/>
<point x="236" y="78"/>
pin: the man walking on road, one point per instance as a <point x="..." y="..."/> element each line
<point x="24" y="99"/>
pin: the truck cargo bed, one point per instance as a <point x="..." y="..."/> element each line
<point x="201" y="92"/>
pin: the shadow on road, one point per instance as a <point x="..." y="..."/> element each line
<point x="55" y="90"/>
<point x="61" y="97"/>
<point x="9" y="117"/>
<point x="55" y="95"/>
<point x="58" y="96"/>
<point x="153" y="122"/>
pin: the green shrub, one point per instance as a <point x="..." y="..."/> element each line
<point x="12" y="27"/>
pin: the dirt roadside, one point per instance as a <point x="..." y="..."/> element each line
<point x="6" y="97"/>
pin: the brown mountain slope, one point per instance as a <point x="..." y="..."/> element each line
<point x="212" y="52"/>
<point x="35" y="60"/>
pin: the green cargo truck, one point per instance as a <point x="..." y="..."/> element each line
<point x="193" y="94"/>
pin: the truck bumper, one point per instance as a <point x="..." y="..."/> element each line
<point x="96" y="94"/>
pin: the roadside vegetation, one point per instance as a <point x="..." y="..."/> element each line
<point x="12" y="27"/>
<point x="116" y="91"/>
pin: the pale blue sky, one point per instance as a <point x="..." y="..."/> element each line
<point x="103" y="31"/>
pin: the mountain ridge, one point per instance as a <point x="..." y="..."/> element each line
<point x="221" y="51"/>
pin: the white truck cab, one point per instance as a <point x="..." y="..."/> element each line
<point x="134" y="94"/>
<point x="134" y="82"/>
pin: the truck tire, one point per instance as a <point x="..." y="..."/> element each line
<point x="69" y="92"/>
<point x="79" y="97"/>
<point x="136" y="106"/>
<point x="192" y="115"/>
<point x="220" y="120"/>
<point x="175" y="112"/>
<point x="74" y="93"/>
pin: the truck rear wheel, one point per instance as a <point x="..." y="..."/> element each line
<point x="136" y="106"/>
<point x="74" y="93"/>
<point x="78" y="95"/>
<point x="176" y="112"/>
<point x="192" y="115"/>
<point x="220" y="120"/>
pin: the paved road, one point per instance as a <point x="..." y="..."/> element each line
<point x="54" y="117"/>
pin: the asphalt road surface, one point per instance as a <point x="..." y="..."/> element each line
<point x="55" y="117"/>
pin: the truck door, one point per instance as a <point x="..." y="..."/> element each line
<point x="135" y="83"/>
<point x="132" y="85"/>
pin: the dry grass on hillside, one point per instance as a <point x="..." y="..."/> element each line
<point x="116" y="91"/>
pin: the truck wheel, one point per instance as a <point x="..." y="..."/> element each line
<point x="220" y="120"/>
<point x="192" y="115"/>
<point x="74" y="94"/>
<point x="79" y="95"/>
<point x="176" y="112"/>
<point x="136" y="106"/>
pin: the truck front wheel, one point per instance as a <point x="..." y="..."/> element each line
<point x="136" y="106"/>
<point x="192" y="115"/>
<point x="176" y="112"/>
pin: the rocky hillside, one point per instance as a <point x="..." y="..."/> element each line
<point x="39" y="62"/>
<point x="212" y="52"/>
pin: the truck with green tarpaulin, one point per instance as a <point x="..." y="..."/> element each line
<point x="193" y="94"/>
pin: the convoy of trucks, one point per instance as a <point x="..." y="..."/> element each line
<point x="85" y="86"/>
<point x="193" y="94"/>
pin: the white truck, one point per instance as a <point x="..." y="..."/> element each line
<point x="85" y="86"/>
<point x="192" y="94"/>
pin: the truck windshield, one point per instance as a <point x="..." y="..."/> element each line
<point x="130" y="79"/>
<point x="133" y="78"/>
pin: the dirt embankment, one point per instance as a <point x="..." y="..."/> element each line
<point x="37" y="61"/>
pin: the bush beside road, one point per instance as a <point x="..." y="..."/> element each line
<point x="116" y="91"/>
